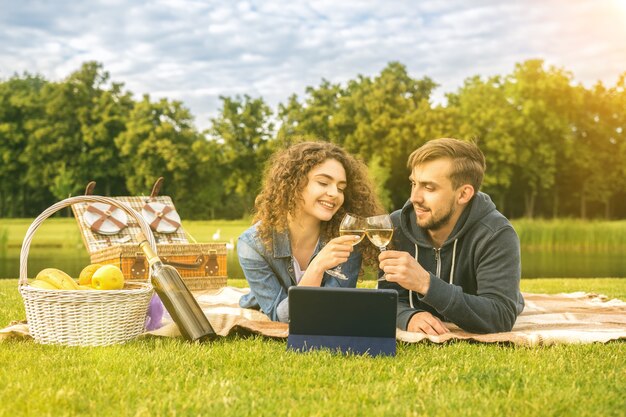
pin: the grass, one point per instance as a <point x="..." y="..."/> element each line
<point x="571" y="235"/>
<point x="536" y="235"/>
<point x="64" y="232"/>
<point x="239" y="376"/>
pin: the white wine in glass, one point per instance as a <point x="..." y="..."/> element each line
<point x="379" y="231"/>
<point x="380" y="237"/>
<point x="350" y="225"/>
<point x="354" y="232"/>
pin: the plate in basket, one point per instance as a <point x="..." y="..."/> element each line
<point x="162" y="218"/>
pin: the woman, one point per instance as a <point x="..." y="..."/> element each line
<point x="307" y="190"/>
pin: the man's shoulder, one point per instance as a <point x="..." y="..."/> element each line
<point x="395" y="216"/>
<point x="495" y="221"/>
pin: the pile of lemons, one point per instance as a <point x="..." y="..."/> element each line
<point x="92" y="277"/>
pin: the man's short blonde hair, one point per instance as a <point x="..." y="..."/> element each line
<point x="468" y="162"/>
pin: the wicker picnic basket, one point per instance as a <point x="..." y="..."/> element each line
<point x="202" y="266"/>
<point x="84" y="317"/>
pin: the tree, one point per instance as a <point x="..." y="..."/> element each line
<point x="157" y="142"/>
<point x="245" y="130"/>
<point x="380" y="175"/>
<point x="205" y="197"/>
<point x="314" y="118"/>
<point x="542" y="99"/>
<point x="75" y="136"/>
<point x="596" y="150"/>
<point x="484" y="113"/>
<point x="21" y="106"/>
<point x="388" y="117"/>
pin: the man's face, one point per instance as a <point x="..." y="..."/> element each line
<point x="433" y="197"/>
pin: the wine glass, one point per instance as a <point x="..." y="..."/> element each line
<point x="350" y="225"/>
<point x="379" y="230"/>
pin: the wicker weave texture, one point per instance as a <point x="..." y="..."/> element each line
<point x="202" y="266"/>
<point x="87" y="317"/>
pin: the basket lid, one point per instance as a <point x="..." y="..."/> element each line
<point x="97" y="241"/>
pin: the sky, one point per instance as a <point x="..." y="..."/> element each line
<point x="195" y="51"/>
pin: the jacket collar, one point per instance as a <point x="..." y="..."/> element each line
<point x="281" y="244"/>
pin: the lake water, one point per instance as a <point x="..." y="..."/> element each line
<point x="534" y="265"/>
<point x="573" y="265"/>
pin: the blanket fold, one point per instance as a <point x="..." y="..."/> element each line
<point x="547" y="319"/>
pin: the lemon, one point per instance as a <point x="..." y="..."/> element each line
<point x="85" y="275"/>
<point x="108" y="277"/>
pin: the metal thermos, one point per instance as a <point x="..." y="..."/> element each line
<point x="176" y="297"/>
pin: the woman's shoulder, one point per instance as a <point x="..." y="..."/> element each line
<point x="251" y="234"/>
<point x="250" y="244"/>
<point x="252" y="238"/>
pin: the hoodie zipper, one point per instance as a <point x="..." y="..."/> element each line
<point x="438" y="260"/>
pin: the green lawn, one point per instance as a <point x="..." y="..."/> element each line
<point x="64" y="232"/>
<point x="238" y="376"/>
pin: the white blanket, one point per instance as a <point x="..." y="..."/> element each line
<point x="547" y="319"/>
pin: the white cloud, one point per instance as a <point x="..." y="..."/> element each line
<point x="196" y="50"/>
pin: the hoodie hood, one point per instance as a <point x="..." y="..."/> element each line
<point x="480" y="206"/>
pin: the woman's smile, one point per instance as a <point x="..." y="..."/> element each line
<point x="327" y="205"/>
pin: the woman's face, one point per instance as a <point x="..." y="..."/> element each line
<point x="323" y="194"/>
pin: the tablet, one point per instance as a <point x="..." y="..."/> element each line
<point x="355" y="320"/>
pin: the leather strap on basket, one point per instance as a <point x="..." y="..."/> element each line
<point x="139" y="268"/>
<point x="183" y="265"/>
<point x="140" y="265"/>
<point x="161" y="216"/>
<point x="90" y="187"/>
<point x="156" y="187"/>
<point x="212" y="267"/>
<point x="104" y="216"/>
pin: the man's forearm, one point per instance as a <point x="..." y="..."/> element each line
<point x="474" y="313"/>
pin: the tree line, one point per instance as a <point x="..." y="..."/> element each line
<point x="554" y="147"/>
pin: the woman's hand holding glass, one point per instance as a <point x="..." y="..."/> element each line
<point x="351" y="225"/>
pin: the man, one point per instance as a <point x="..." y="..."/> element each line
<point x="457" y="257"/>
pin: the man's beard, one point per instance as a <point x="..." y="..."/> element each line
<point x="435" y="224"/>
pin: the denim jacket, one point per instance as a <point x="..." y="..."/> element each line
<point x="271" y="273"/>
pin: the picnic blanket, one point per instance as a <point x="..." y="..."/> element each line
<point x="547" y="319"/>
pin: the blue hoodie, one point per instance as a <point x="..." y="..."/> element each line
<point x="474" y="276"/>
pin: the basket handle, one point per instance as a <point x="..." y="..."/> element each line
<point x="90" y="187"/>
<point x="145" y="227"/>
<point x="156" y="188"/>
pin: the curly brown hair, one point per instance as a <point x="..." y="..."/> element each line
<point x="285" y="178"/>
